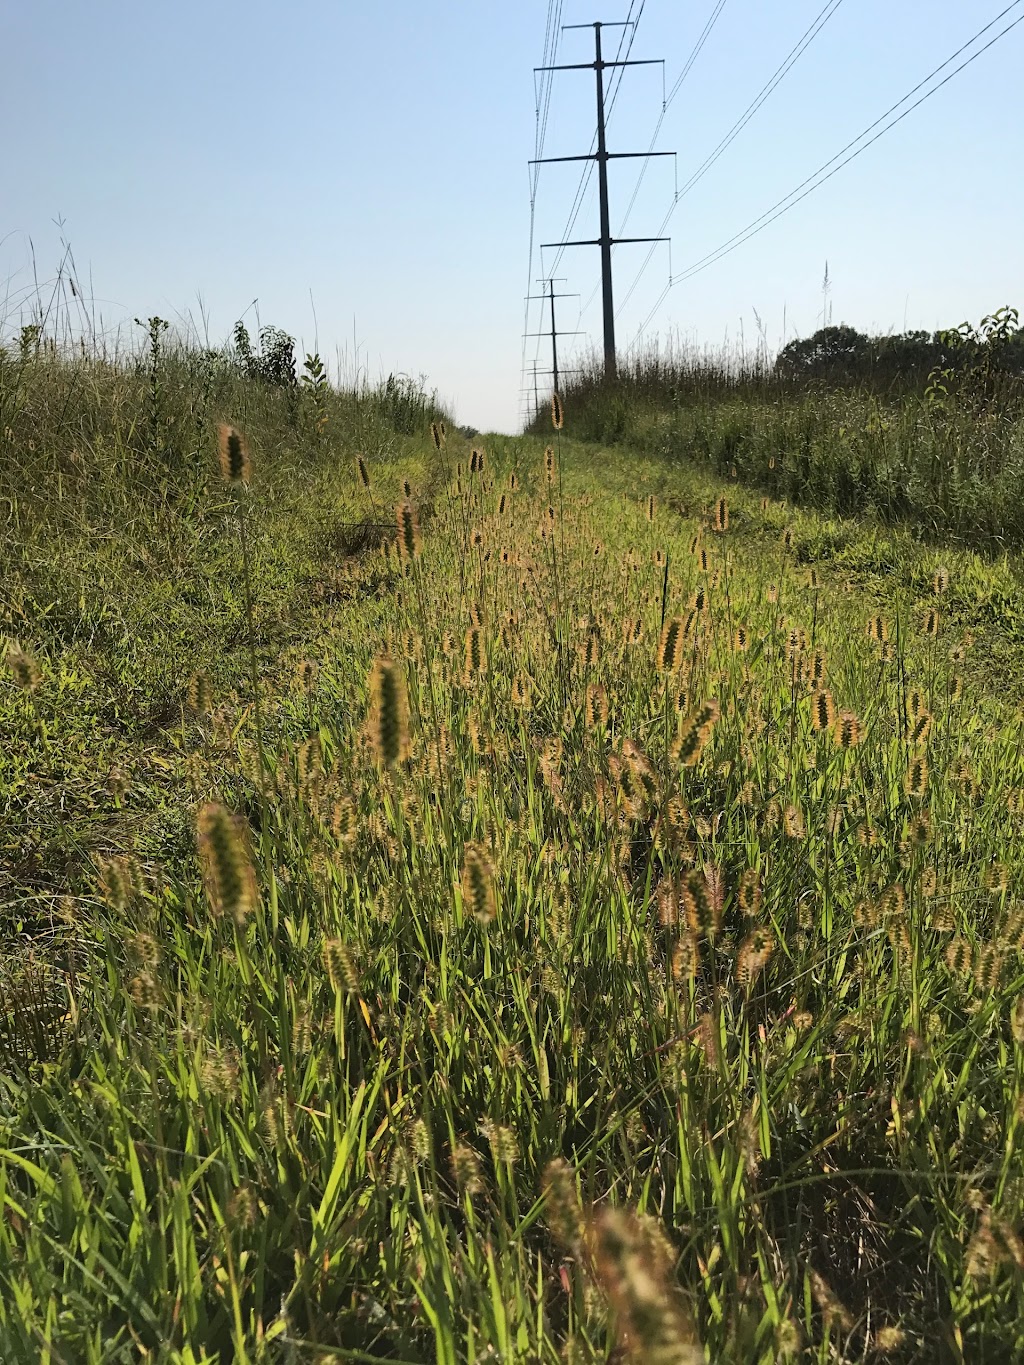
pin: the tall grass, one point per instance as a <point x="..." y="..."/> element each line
<point x="945" y="456"/>
<point x="86" y="429"/>
<point x="120" y="572"/>
<point x="622" y="962"/>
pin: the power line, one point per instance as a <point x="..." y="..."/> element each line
<point x="551" y="36"/>
<point x="696" y="51"/>
<point x="538" y="88"/>
<point x="543" y="127"/>
<point x="805" y="40"/>
<point x="548" y="60"/>
<point x="705" y="34"/>
<point x="813" y="182"/>
<point x="631" y="29"/>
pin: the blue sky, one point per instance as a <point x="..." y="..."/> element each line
<point x="368" y="162"/>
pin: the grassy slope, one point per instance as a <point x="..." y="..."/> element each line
<point x="244" y="1145"/>
<point x="122" y="601"/>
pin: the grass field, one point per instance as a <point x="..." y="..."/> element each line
<point x="577" y="919"/>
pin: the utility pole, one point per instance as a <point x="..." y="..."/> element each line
<point x="535" y="372"/>
<point x="606" y="226"/>
<point x="550" y="297"/>
<point x="602" y="156"/>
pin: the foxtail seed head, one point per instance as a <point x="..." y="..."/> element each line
<point x="467" y="1170"/>
<point x="988" y="967"/>
<point x="345" y="820"/>
<point x="686" y="956"/>
<point x="24" y="670"/>
<point x="793" y="823"/>
<point x="388" y="721"/>
<point x="363" y="470"/>
<point x="200" y="694"/>
<point x="557" y="412"/>
<point x="478" y="883"/>
<point x="847" y="730"/>
<point x="564" y="1214"/>
<point x="596" y="706"/>
<point x="120" y="881"/>
<point x="235" y="464"/>
<point x="474" y="655"/>
<point x="917" y="776"/>
<point x="703" y="908"/>
<point x="753" y="954"/>
<point x="748" y="896"/>
<point x="341" y="966"/>
<point x="918" y="732"/>
<point x="670" y="646"/>
<point x="996" y="878"/>
<point x="694" y="733"/>
<point x="522" y="691"/>
<point x="823" y="710"/>
<point x="408" y="531"/>
<point x="229" y="876"/>
<point x="959" y="956"/>
<point x="633" y="1264"/>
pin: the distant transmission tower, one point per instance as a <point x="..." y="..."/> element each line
<point x="554" y="333"/>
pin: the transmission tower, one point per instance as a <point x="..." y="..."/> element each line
<point x="554" y="333"/>
<point x="602" y="156"/>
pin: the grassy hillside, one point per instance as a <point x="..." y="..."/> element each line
<point x="584" y="924"/>
<point x="121" y="574"/>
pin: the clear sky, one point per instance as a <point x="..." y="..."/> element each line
<point x="369" y="162"/>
